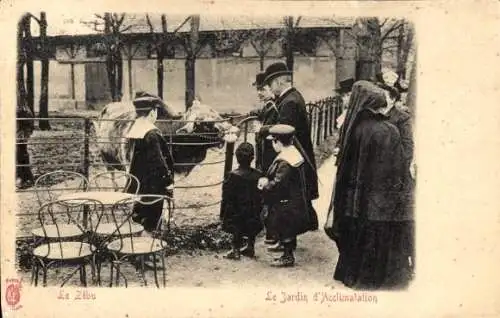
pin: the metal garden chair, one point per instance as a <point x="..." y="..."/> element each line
<point x="59" y="248"/>
<point x="51" y="185"/>
<point x="119" y="248"/>
<point x="117" y="181"/>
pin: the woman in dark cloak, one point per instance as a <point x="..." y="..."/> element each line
<point x="151" y="161"/>
<point x="372" y="226"/>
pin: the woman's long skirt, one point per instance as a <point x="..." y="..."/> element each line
<point x="375" y="254"/>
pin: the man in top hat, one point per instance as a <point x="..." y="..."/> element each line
<point x="283" y="189"/>
<point x="292" y="111"/>
<point x="268" y="115"/>
<point x="344" y="92"/>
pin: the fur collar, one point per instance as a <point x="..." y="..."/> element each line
<point x="291" y="155"/>
<point x="140" y="128"/>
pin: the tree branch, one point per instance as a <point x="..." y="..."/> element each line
<point x="298" y="20"/>
<point x="389" y="47"/>
<point x="182" y="24"/>
<point x="390" y="30"/>
<point x="125" y="29"/>
<point x="383" y="23"/>
<point x="120" y="21"/>
<point x="149" y="23"/>
<point x="35" y="18"/>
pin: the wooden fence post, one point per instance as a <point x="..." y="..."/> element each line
<point x="86" y="148"/>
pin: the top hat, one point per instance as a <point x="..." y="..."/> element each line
<point x="280" y="130"/>
<point x="275" y="70"/>
<point x="259" y="80"/>
<point x="345" y="86"/>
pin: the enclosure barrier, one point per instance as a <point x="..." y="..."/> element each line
<point x="69" y="139"/>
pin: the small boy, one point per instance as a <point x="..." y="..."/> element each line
<point x="242" y="203"/>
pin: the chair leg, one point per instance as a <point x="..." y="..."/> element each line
<point x="32" y="273"/>
<point x="36" y="270"/>
<point x="163" y="269"/>
<point x="143" y="271"/>
<point x="44" y="269"/>
<point x="93" y="270"/>
<point x="111" y="266"/>
<point x="118" y="273"/>
<point x="78" y="269"/>
<point x="155" y="271"/>
<point x="83" y="270"/>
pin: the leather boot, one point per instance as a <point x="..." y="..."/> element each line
<point x="249" y="249"/>
<point x="287" y="259"/>
<point x="234" y="254"/>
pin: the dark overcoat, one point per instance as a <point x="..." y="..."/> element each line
<point x="289" y="213"/>
<point x="153" y="166"/>
<point x="241" y="203"/>
<point x="402" y="120"/>
<point x="264" y="150"/>
<point x="291" y="108"/>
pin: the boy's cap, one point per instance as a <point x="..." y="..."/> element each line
<point x="280" y="130"/>
<point x="145" y="100"/>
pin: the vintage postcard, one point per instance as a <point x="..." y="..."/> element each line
<point x="253" y="159"/>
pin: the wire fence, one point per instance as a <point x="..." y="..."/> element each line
<point x="72" y="145"/>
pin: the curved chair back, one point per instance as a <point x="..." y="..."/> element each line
<point x="49" y="186"/>
<point x="118" y="181"/>
<point x="54" y="218"/>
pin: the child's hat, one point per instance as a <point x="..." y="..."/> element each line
<point x="280" y="130"/>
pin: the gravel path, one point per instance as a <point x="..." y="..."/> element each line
<point x="315" y="259"/>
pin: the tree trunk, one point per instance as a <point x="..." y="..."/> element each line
<point x="119" y="76"/>
<point x="190" y="81"/>
<point x="411" y="99"/>
<point x="44" y="91"/>
<point x="405" y="52"/>
<point x="191" y="60"/>
<point x="261" y="60"/>
<point x="130" y="88"/>
<point x="161" y="55"/>
<point x="30" y="90"/>
<point x="110" y="60"/>
<point x="289" y="43"/>
<point x="73" y="94"/>
<point x="369" y="61"/>
<point x="159" y="74"/>
<point x="401" y="66"/>
<point x="21" y="86"/>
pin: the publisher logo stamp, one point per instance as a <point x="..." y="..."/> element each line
<point x="13" y="293"/>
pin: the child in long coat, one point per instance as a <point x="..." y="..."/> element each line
<point x="284" y="190"/>
<point x="242" y="203"/>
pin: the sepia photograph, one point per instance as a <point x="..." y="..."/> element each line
<point x="249" y="159"/>
<point x="162" y="150"/>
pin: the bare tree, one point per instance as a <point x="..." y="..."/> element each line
<point x="161" y="42"/>
<point x="113" y="26"/>
<point x="44" y="93"/>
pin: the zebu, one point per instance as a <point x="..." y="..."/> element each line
<point x="191" y="133"/>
